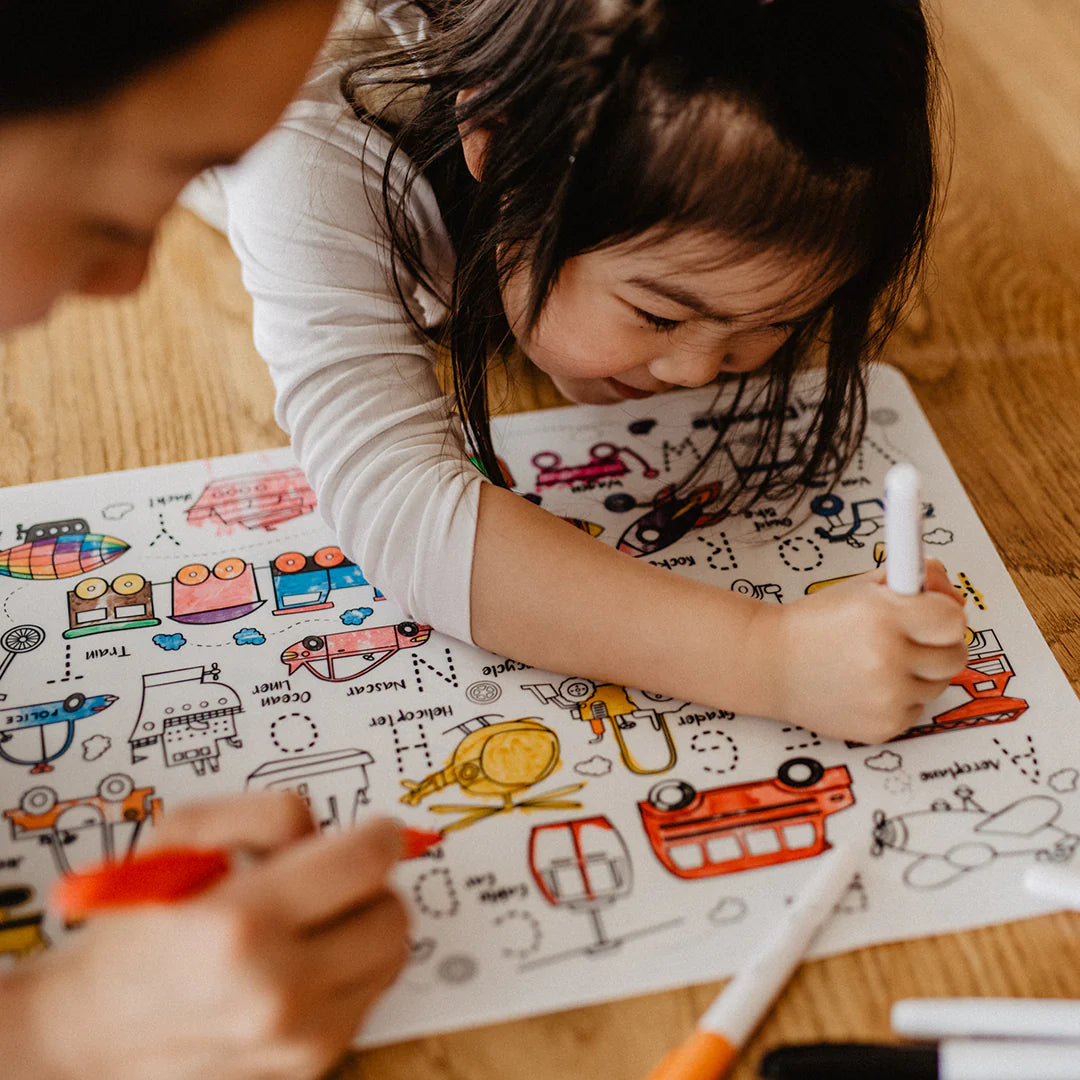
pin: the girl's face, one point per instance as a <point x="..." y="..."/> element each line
<point x="638" y="318"/>
<point x="82" y="190"/>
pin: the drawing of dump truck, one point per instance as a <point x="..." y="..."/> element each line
<point x="334" y="784"/>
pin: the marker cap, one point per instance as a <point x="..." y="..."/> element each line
<point x="704" y="1056"/>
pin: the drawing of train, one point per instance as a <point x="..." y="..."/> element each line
<point x="201" y="595"/>
<point x="59" y="549"/>
<point x="304" y="582"/>
<point x="22" y="718"/>
<point x="190" y="713"/>
<point x="334" y="784"/>
<point x="255" y="501"/>
<point x="69" y="826"/>
<point x="96" y="607"/>
<point x="352" y="653"/>
<point x="745" y="826"/>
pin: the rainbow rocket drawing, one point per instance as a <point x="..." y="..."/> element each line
<point x="59" y="549"/>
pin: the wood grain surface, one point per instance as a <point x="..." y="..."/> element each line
<point x="992" y="350"/>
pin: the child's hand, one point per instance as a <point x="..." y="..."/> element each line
<point x="857" y="661"/>
<point x="266" y="975"/>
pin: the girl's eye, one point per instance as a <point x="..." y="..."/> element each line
<point x="658" y="322"/>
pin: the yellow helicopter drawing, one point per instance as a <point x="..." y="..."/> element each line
<point x="502" y="760"/>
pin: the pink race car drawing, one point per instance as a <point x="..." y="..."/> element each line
<point x="352" y="653"/>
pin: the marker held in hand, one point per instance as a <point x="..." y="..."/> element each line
<point x="904" y="565"/>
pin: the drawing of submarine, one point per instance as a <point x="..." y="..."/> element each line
<point x="670" y="519"/>
<point x="59" y="549"/>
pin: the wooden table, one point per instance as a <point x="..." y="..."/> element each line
<point x="992" y="349"/>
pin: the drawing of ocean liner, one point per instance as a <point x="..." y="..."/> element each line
<point x="256" y="501"/>
<point x="59" y="549"/>
<point x="190" y="713"/>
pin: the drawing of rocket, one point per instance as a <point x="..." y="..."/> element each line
<point x="59" y="549"/>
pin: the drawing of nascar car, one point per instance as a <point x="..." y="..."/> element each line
<point x="352" y="653"/>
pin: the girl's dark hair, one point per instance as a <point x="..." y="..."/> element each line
<point x="60" y="54"/>
<point x="799" y="125"/>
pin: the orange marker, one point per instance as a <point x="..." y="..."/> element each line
<point x="167" y="875"/>
<point x="731" y="1019"/>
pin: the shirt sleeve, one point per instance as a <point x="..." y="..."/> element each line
<point x="355" y="381"/>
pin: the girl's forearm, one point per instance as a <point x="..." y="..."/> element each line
<point x="546" y="594"/>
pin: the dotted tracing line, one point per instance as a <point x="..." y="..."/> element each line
<point x="717" y="549"/>
<point x="401" y="748"/>
<point x="67" y="676"/>
<point x="452" y="678"/>
<point x="427" y="904"/>
<point x="722" y="740"/>
<point x="795" y="545"/>
<point x="812" y="736"/>
<point x="304" y="719"/>
<point x="532" y="925"/>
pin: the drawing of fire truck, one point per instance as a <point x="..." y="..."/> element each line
<point x="745" y="826"/>
<point x="190" y="713"/>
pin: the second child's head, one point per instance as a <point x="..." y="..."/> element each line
<point x="654" y="193"/>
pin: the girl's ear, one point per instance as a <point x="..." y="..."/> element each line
<point x="474" y="142"/>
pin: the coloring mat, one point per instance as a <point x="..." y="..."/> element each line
<point x="178" y="632"/>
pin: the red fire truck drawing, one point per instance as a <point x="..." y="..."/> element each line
<point x="745" y="826"/>
<point x="255" y="501"/>
<point x="71" y="826"/>
<point x="352" y="653"/>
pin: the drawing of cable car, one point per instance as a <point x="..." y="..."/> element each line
<point x="745" y="826"/>
<point x="304" y="582"/>
<point x="949" y="841"/>
<point x="334" y="784"/>
<point x="352" y="653"/>
<point x="255" y="501"/>
<point x="59" y="549"/>
<point x="49" y="714"/>
<point x="93" y="827"/>
<point x="96" y="607"/>
<point x="671" y="518"/>
<point x="202" y="596"/>
<point x="190" y="713"/>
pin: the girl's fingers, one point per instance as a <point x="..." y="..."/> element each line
<point x="938" y="662"/>
<point x="937" y="580"/>
<point x="932" y="619"/>
<point x="366" y="948"/>
<point x="322" y="878"/>
<point x="259" y="822"/>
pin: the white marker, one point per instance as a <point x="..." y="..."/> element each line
<point x="1054" y="883"/>
<point x="987" y="1018"/>
<point x="730" y="1020"/>
<point x="904" y="567"/>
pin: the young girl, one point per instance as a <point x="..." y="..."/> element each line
<point x="106" y="110"/>
<point x="641" y="194"/>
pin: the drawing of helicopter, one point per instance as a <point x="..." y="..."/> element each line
<point x="952" y="841"/>
<point x="59" y="549"/>
<point x="23" y="717"/>
<point x="327" y="657"/>
<point x="671" y="518"/>
<point x="597" y="702"/>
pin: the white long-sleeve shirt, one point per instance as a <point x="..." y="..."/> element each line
<point x="355" y="381"/>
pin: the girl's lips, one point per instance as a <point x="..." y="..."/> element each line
<point x="629" y="392"/>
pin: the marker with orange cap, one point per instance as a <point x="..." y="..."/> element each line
<point x="732" y="1017"/>
<point x="168" y="875"/>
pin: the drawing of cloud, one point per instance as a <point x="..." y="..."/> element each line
<point x="886" y="761"/>
<point x="594" y="766"/>
<point x="355" y="616"/>
<point x="938" y="536"/>
<point x="169" y="642"/>
<point x="95" y="746"/>
<point x="1064" y="780"/>
<point x="248" y="636"/>
<point x="115" y="511"/>
<point x="730" y="909"/>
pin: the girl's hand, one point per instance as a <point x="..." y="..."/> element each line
<point x="267" y="975"/>
<point x="857" y="661"/>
